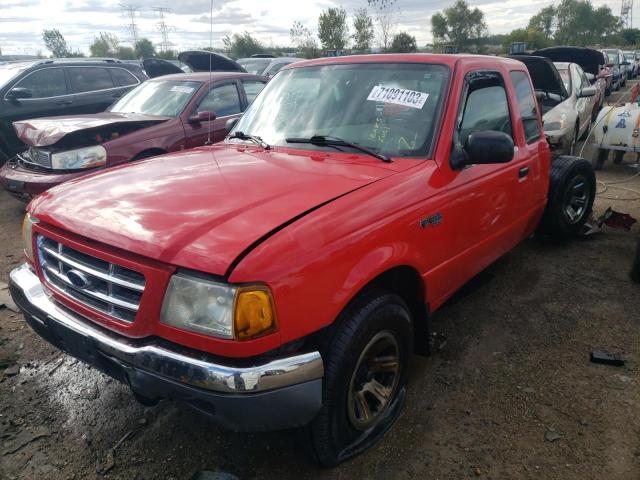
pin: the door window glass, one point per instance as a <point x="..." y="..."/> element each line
<point x="223" y="101"/>
<point x="527" y="105"/>
<point x="486" y="107"/>
<point x="89" y="79"/>
<point x="252" y="88"/>
<point x="122" y="77"/>
<point x="48" y="82"/>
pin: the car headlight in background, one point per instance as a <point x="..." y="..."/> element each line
<point x="27" y="233"/>
<point x="216" y="309"/>
<point x="552" y="126"/>
<point x="88" y="157"/>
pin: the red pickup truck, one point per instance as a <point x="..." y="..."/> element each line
<point x="283" y="278"/>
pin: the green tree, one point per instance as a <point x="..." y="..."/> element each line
<point x="241" y="46"/>
<point x="125" y="53"/>
<point x="105" y="45"/>
<point x="55" y="43"/>
<point x="385" y="14"/>
<point x="362" y="30"/>
<point x="303" y="40"/>
<point x="459" y="25"/>
<point x="403" y="43"/>
<point x="168" y="55"/>
<point x="144" y="48"/>
<point x="544" y="21"/>
<point x="332" y="28"/>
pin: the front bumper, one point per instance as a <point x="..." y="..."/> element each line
<point x="26" y="184"/>
<point x="272" y="395"/>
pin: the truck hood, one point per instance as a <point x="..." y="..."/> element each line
<point x="202" y="208"/>
<point x="41" y="132"/>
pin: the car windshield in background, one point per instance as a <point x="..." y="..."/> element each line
<point x="9" y="71"/>
<point x="162" y="98"/>
<point x="566" y="78"/>
<point x="629" y="56"/>
<point x="255" y="65"/>
<point x="613" y="56"/>
<point x="390" y="108"/>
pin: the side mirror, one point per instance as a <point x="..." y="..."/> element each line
<point x="485" y="147"/>
<point x="231" y="123"/>
<point x="587" y="92"/>
<point x="202" y="117"/>
<point x="18" y="93"/>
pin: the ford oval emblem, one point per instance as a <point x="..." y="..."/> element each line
<point x="78" y="279"/>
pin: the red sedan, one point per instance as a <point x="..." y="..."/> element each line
<point x="165" y="114"/>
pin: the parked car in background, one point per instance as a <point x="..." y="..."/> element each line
<point x="619" y="66"/>
<point x="265" y="66"/>
<point x="592" y="62"/>
<point x="634" y="64"/>
<point x="165" y="114"/>
<point x="73" y="86"/>
<point x="566" y="98"/>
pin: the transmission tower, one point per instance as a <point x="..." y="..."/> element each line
<point x="163" y="28"/>
<point x="626" y="13"/>
<point x="129" y="11"/>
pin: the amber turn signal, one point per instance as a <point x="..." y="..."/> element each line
<point x="254" y="314"/>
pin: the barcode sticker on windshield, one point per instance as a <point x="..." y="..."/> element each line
<point x="181" y="89"/>
<point x="399" y="96"/>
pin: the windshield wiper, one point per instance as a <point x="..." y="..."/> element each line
<point x="337" y="142"/>
<point x="254" y="138"/>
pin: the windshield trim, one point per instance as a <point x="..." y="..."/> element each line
<point x="440" y="110"/>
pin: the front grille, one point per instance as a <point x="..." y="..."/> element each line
<point x="101" y="285"/>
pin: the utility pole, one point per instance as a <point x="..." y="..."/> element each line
<point x="626" y="13"/>
<point x="129" y="11"/>
<point x="163" y="28"/>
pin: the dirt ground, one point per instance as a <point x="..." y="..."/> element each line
<point x="509" y="393"/>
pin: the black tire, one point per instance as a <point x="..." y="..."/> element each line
<point x="333" y="436"/>
<point x="572" y="189"/>
<point x="618" y="85"/>
<point x="600" y="156"/>
<point x="618" y="157"/>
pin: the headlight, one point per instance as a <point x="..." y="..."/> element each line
<point x="552" y="126"/>
<point x="27" y="240"/>
<point x="81" y="158"/>
<point x="215" y="309"/>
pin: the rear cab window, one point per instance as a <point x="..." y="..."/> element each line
<point x="89" y="79"/>
<point x="527" y="105"/>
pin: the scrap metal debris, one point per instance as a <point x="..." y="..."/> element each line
<point x="606" y="358"/>
<point x="610" y="218"/>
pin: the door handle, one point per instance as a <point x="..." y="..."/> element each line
<point x="65" y="102"/>
<point x="523" y="172"/>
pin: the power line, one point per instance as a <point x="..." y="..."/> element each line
<point x="163" y="28"/>
<point x="129" y="11"/>
<point x="626" y="13"/>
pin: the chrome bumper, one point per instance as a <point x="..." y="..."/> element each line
<point x="184" y="368"/>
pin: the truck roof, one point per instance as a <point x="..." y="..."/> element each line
<point x="444" y="59"/>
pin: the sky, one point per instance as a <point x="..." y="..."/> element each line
<point x="22" y="21"/>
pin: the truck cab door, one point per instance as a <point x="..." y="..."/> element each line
<point x="223" y="99"/>
<point x="482" y="210"/>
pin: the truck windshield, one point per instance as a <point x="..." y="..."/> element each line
<point x="390" y="108"/>
<point x="166" y="98"/>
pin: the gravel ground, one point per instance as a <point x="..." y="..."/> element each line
<point x="509" y="393"/>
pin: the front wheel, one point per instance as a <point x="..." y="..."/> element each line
<point x="365" y="378"/>
<point x="572" y="190"/>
